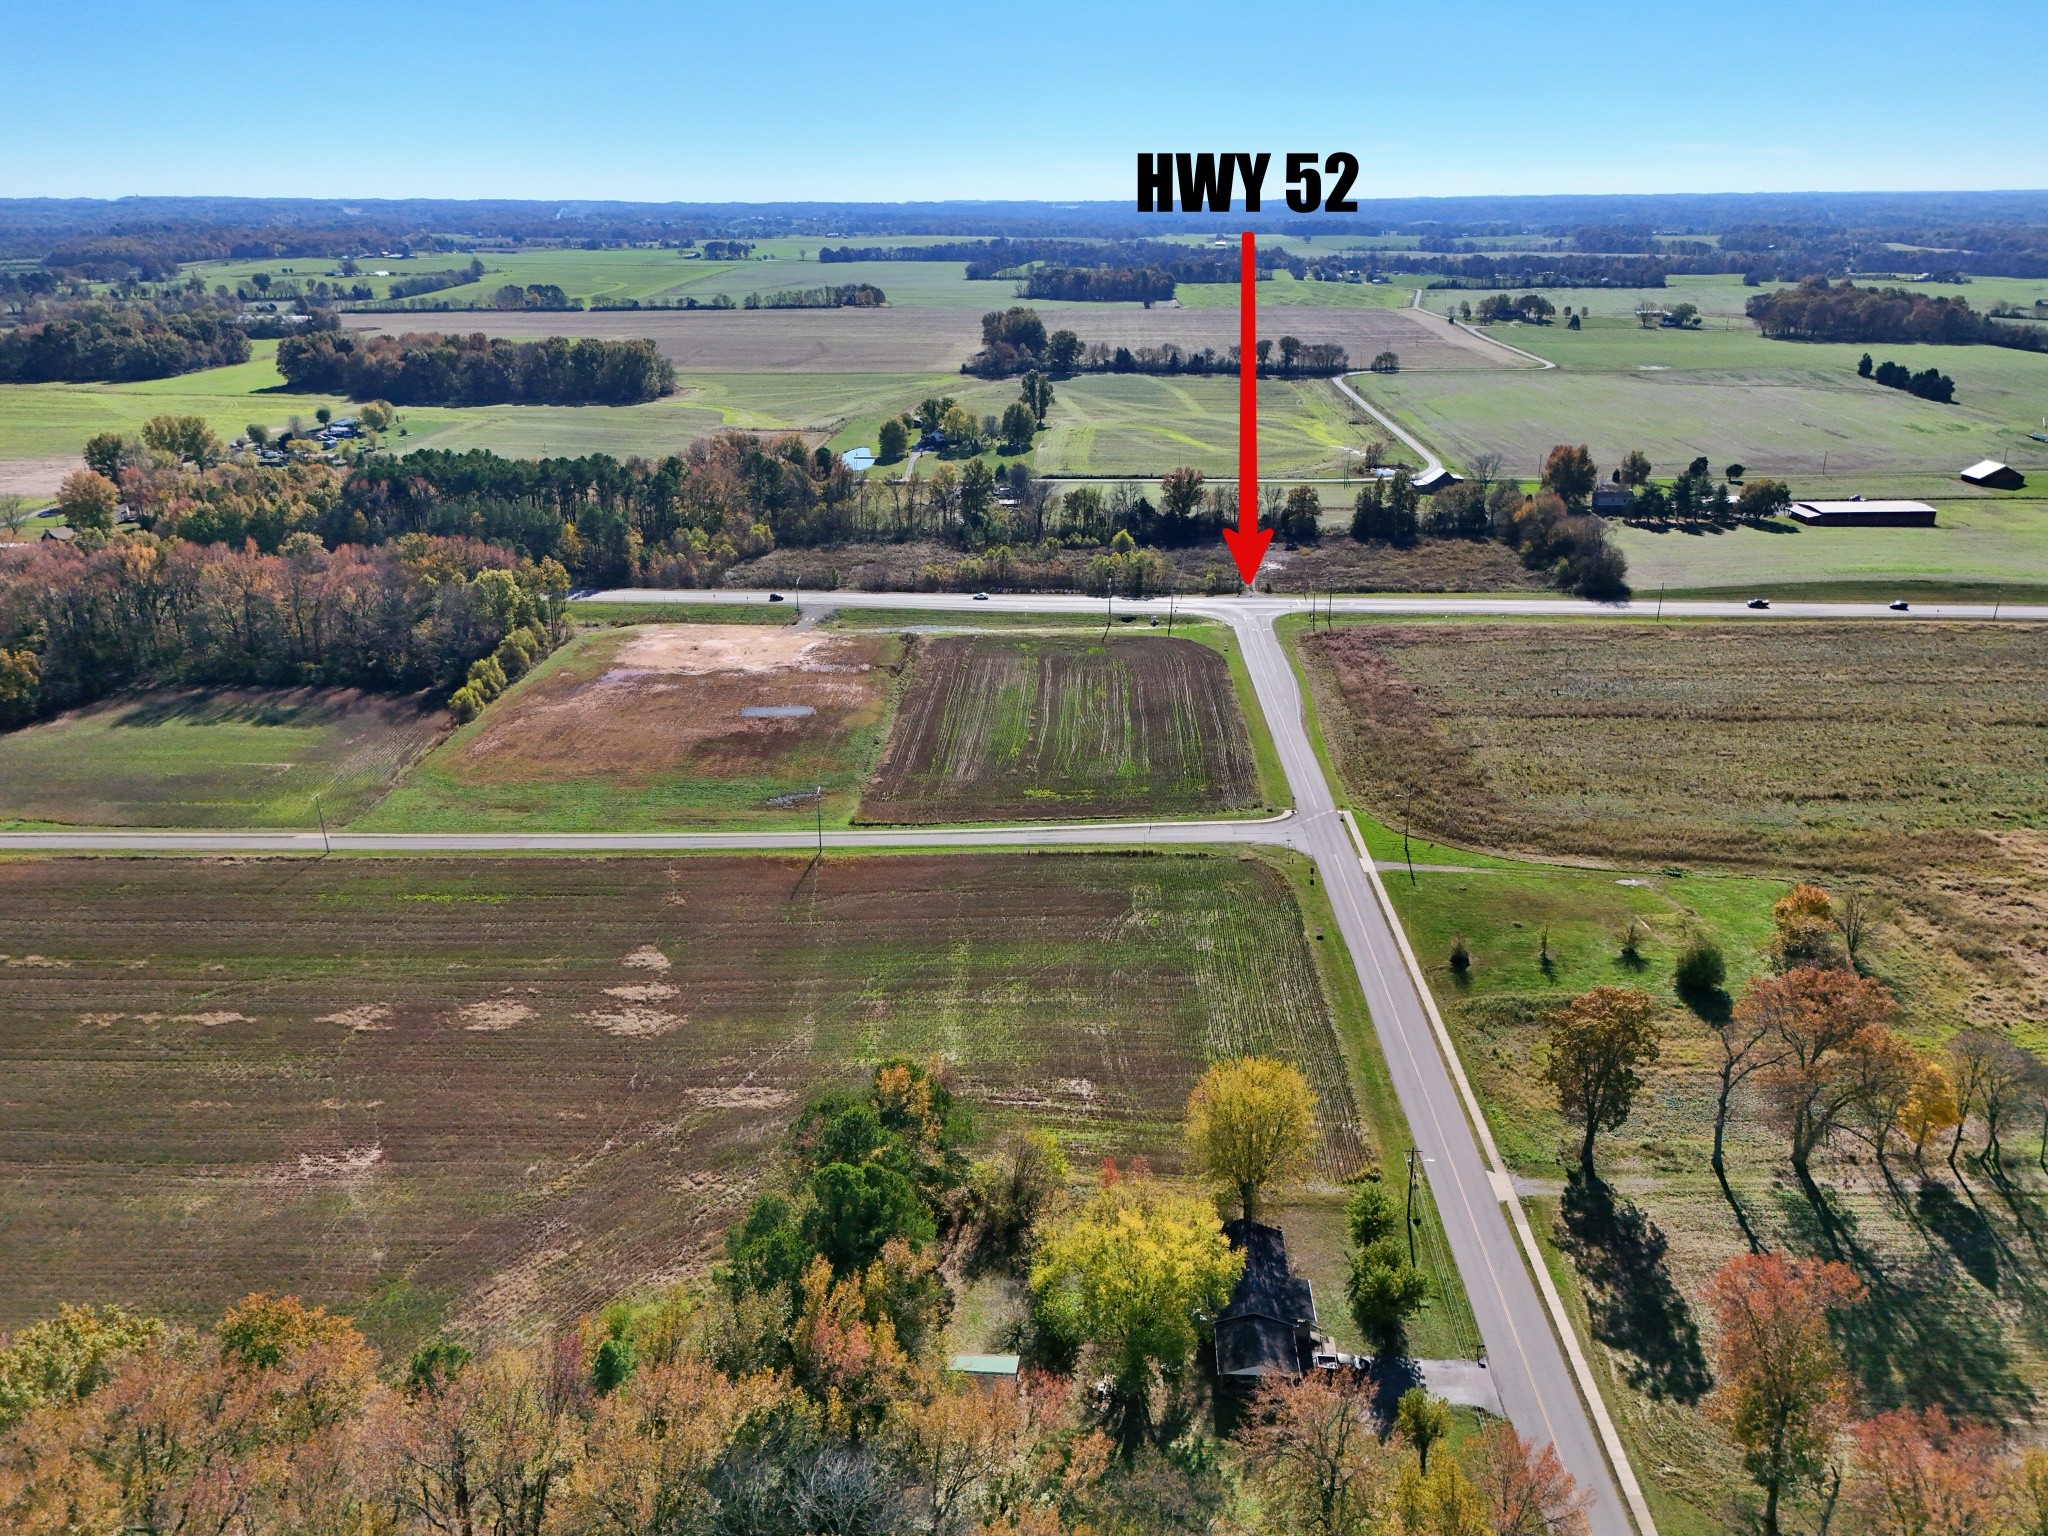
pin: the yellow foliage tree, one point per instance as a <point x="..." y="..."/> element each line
<point x="1249" y="1122"/>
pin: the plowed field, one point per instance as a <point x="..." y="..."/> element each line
<point x="490" y="1091"/>
<point x="1004" y="728"/>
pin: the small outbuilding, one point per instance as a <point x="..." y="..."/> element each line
<point x="1858" y="513"/>
<point x="1996" y="476"/>
<point x="1430" y="481"/>
<point x="985" y="1367"/>
<point x="1611" y="499"/>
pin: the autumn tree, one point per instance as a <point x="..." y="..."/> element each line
<point x="1993" y="1077"/>
<point x="1524" y="1488"/>
<point x="1135" y="1273"/>
<point x="1804" y="919"/>
<point x="1422" y="1421"/>
<point x="1249" y="1122"/>
<point x="948" y="1447"/>
<point x="88" y="501"/>
<point x="186" y="438"/>
<point x="1570" y="474"/>
<point x="1783" y="1393"/>
<point x="1923" y="1474"/>
<point x="1314" y="1460"/>
<point x="1599" y="1044"/>
<point x="891" y="439"/>
<point x="1822" y="1022"/>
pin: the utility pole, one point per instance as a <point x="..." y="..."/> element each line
<point x="818" y="794"/>
<point x="1407" y="817"/>
<point x="1411" y="1207"/>
<point x="326" y="847"/>
<point x="1169" y="616"/>
<point x="1660" y="600"/>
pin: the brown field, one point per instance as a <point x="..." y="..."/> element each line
<point x="913" y="340"/>
<point x="644" y="727"/>
<point x="998" y="728"/>
<point x="1913" y="756"/>
<point x="485" y="1092"/>
<point x="1341" y="564"/>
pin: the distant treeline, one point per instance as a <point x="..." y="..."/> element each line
<point x="434" y="282"/>
<point x="1108" y="284"/>
<point x="991" y="258"/>
<point x="1296" y="359"/>
<point x="1015" y="341"/>
<point x="839" y="296"/>
<point x="1544" y="270"/>
<point x="1820" y="311"/>
<point x="117" y="343"/>
<point x="433" y="369"/>
<point x="77" y="625"/>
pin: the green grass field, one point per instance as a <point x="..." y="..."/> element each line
<point x="1791" y="410"/>
<point x="1126" y="424"/>
<point x="213" y="758"/>
<point x="1976" y="547"/>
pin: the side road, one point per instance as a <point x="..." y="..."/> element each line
<point x="1539" y="1373"/>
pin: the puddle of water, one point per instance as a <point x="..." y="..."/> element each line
<point x="778" y="711"/>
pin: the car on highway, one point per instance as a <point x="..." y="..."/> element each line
<point x="1899" y="605"/>
<point x="1759" y="602"/>
<point x="981" y="597"/>
<point x="775" y="597"/>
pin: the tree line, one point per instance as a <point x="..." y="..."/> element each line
<point x="1928" y="383"/>
<point x="1015" y="341"/>
<point x="80" y="623"/>
<point x="433" y="369"/>
<point x="97" y="341"/>
<point x="1819" y="311"/>
<point x="834" y="296"/>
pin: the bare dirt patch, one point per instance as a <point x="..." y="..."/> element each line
<point x="668" y="700"/>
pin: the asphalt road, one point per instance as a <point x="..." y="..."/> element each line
<point x="1536" y="1366"/>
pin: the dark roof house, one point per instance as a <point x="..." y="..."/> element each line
<point x="1859" y="513"/>
<point x="1270" y="1324"/>
<point x="1431" y="481"/>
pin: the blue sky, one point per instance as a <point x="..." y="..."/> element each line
<point x="792" y="100"/>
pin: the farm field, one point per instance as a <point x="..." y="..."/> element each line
<point x="1659" y="748"/>
<point x="1778" y="408"/>
<point x="225" y="757"/>
<point x="644" y="728"/>
<point x="504" y="1091"/>
<point x="1697" y="741"/>
<point x="908" y="340"/>
<point x="1980" y="542"/>
<point x="1002" y="728"/>
<point x="1130" y="424"/>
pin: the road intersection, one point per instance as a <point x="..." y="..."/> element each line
<point x="1541" y="1374"/>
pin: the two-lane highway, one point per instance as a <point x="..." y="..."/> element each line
<point x="1538" y="1368"/>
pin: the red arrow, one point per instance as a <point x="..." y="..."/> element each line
<point x="1248" y="540"/>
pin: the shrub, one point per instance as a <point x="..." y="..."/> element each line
<point x="487" y="678"/>
<point x="1461" y="957"/>
<point x="1701" y="969"/>
<point x="465" y="704"/>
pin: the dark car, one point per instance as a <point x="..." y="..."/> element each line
<point x="1898" y="605"/>
<point x="1759" y="602"/>
<point x="775" y="597"/>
